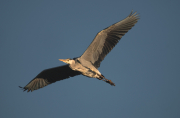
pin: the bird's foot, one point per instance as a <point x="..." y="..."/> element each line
<point x="110" y="82"/>
<point x="106" y="80"/>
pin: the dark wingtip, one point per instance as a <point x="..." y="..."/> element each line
<point x="135" y="14"/>
<point x="131" y="12"/>
<point x="22" y="88"/>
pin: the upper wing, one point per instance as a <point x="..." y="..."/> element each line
<point x="49" y="76"/>
<point x="106" y="39"/>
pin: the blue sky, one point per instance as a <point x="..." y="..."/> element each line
<point x="144" y="65"/>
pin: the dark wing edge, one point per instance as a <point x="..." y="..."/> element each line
<point x="50" y="76"/>
<point x="106" y="39"/>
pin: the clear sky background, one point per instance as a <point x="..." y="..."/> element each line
<point x="144" y="65"/>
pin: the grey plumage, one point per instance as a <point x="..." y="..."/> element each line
<point x="106" y="39"/>
<point x="91" y="59"/>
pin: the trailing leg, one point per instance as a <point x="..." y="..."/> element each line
<point x="106" y="80"/>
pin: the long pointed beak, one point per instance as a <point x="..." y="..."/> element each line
<point x="63" y="60"/>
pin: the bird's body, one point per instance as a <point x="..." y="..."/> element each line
<point x="89" y="62"/>
<point x="85" y="68"/>
<point x="89" y="71"/>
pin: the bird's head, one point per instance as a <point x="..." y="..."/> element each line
<point x="68" y="61"/>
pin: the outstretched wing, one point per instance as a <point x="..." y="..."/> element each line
<point x="49" y="76"/>
<point x="105" y="40"/>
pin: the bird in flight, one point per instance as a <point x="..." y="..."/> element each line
<point x="89" y="62"/>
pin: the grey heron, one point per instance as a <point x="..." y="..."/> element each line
<point x="89" y="62"/>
